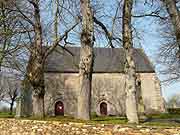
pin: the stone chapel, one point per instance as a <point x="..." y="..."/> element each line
<point x="108" y="82"/>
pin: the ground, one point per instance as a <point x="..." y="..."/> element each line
<point x="41" y="127"/>
<point x="161" y="124"/>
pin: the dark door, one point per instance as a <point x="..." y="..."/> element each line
<point x="59" y="108"/>
<point x="103" y="108"/>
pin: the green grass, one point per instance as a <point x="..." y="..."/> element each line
<point x="164" y="116"/>
<point x="161" y="124"/>
<point x="107" y="119"/>
<point x="94" y="120"/>
<point x="63" y="119"/>
<point x="6" y="115"/>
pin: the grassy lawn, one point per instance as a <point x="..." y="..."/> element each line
<point x="110" y="120"/>
<point x="165" y="116"/>
<point x="113" y="120"/>
<point x="161" y="124"/>
<point x="94" y="120"/>
<point x="6" y="115"/>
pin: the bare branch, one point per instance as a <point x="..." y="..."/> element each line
<point x="108" y="34"/>
<point x="56" y="42"/>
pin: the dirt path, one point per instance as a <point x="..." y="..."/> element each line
<point x="33" y="127"/>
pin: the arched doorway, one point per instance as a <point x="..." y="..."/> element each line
<point x="103" y="109"/>
<point x="59" y="108"/>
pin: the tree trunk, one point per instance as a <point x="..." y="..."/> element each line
<point x="4" y="29"/>
<point x="130" y="73"/>
<point x="35" y="69"/>
<point x="173" y="12"/>
<point x="36" y="78"/>
<point x="11" y="107"/>
<point x="38" y="104"/>
<point x="26" y="98"/>
<point x="139" y="98"/>
<point x="86" y="61"/>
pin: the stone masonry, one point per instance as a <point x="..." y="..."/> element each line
<point x="106" y="87"/>
<point x="108" y="83"/>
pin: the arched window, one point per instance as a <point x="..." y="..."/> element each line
<point x="103" y="108"/>
<point x="59" y="108"/>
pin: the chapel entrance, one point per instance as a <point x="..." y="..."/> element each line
<point x="103" y="109"/>
<point x="59" y="108"/>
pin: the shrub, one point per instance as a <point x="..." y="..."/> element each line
<point x="173" y="110"/>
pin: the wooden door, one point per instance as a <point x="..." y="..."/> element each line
<point x="59" y="108"/>
<point x="103" y="109"/>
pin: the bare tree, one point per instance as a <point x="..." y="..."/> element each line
<point x="170" y="50"/>
<point x="10" y="34"/>
<point x="33" y="31"/>
<point x="2" y="87"/>
<point x="174" y="101"/>
<point x="10" y="84"/>
<point x="86" y="61"/>
<point x="174" y="15"/>
<point x="38" y="34"/>
<point x="35" y="68"/>
<point x="131" y="105"/>
<point x="12" y="90"/>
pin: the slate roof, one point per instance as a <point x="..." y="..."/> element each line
<point x="107" y="60"/>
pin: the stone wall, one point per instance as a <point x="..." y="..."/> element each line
<point x="24" y="103"/>
<point x="106" y="87"/>
<point x="151" y="93"/>
<point x="64" y="88"/>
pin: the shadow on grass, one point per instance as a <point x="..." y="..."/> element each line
<point x="94" y="119"/>
<point x="161" y="120"/>
<point x="164" y="116"/>
<point x="164" y="119"/>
